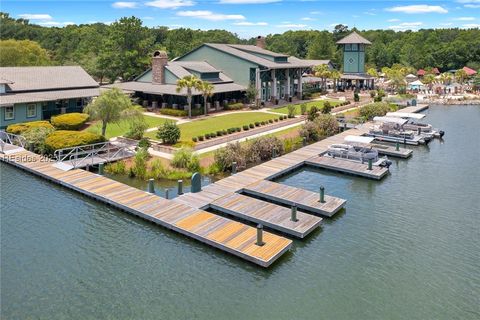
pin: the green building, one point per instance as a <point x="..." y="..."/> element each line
<point x="37" y="93"/>
<point x="354" y="75"/>
<point x="231" y="68"/>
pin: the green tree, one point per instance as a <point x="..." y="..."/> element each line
<point x="19" y="53"/>
<point x="322" y="71"/>
<point x="169" y="132"/>
<point x="460" y="76"/>
<point x="189" y="83"/>
<point x="111" y="107"/>
<point x="207" y="91"/>
<point x="251" y="94"/>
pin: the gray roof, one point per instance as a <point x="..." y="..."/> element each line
<point x="256" y="49"/>
<point x="356" y="76"/>
<point x="46" y="78"/>
<point x="353" y="38"/>
<point x="199" y="66"/>
<point x="292" y="62"/>
<point x="42" y="96"/>
<point x="171" y="89"/>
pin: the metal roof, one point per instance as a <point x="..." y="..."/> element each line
<point x="46" y="78"/>
<point x="358" y="139"/>
<point x="356" y="76"/>
<point x="399" y="121"/>
<point x="198" y="66"/>
<point x="353" y="38"/>
<point x="258" y="50"/>
<point x="42" y="96"/>
<point x="406" y="115"/>
<point x="171" y="89"/>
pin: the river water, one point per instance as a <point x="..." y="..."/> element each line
<point x="407" y="247"/>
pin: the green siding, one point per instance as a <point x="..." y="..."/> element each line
<point x="170" y="77"/>
<point x="146" y="77"/>
<point x="234" y="67"/>
<point x="354" y="61"/>
<point x="20" y="115"/>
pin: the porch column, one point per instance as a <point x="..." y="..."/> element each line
<point x="300" y="85"/>
<point x="258" y="84"/>
<point x="274" y="86"/>
<point x="287" y="94"/>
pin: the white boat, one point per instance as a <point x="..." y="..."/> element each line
<point x="357" y="149"/>
<point x="414" y="125"/>
<point x="391" y="129"/>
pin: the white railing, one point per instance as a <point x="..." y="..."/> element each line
<point x="12" y="139"/>
<point x="92" y="154"/>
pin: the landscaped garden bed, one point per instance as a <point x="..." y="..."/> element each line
<point x="317" y="103"/>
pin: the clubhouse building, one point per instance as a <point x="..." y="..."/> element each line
<point x="231" y="68"/>
<point x="37" y="93"/>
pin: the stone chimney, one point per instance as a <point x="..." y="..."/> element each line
<point x="261" y="42"/>
<point x="159" y="61"/>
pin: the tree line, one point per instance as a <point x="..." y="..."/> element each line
<point x="122" y="49"/>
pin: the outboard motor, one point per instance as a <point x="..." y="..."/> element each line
<point x="427" y="139"/>
<point x="441" y="133"/>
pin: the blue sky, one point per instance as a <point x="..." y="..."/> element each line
<point x="249" y="18"/>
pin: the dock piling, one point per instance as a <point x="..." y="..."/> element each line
<point x="100" y="169"/>
<point x="370" y="163"/>
<point x="397" y="146"/>
<point x="151" y="186"/>
<point x="259" y="236"/>
<point x="234" y="167"/>
<point x="294" y="213"/>
<point x="304" y="141"/>
<point x="274" y="153"/>
<point x="180" y="187"/>
<point x="167" y="191"/>
<point x="322" y="194"/>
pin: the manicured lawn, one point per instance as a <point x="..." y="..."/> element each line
<point x="318" y="104"/>
<point x="212" y="124"/>
<point x="118" y="129"/>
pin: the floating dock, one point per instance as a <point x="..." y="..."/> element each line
<point x="268" y="214"/>
<point x="349" y="167"/>
<point x="392" y="151"/>
<point x="305" y="200"/>
<point x="225" y="234"/>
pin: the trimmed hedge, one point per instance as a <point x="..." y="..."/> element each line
<point x="234" y="106"/>
<point x="173" y="112"/>
<point x="69" y="121"/>
<point x="66" y="139"/>
<point x="19" y="128"/>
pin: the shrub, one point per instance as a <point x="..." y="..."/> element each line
<point x="233" y="152"/>
<point x="36" y="137"/>
<point x="207" y="136"/>
<point x="156" y="170"/>
<point x="245" y="127"/>
<point x="219" y="133"/>
<point x="234" y="106"/>
<point x="239" y="129"/>
<point x="66" y="139"/>
<point x="377" y="99"/>
<point x="257" y="124"/>
<point x="116" y="167"/>
<point x="201" y="138"/>
<point x="276" y="119"/>
<point x="194" y="139"/>
<point x="291" y="110"/>
<point x="224" y="132"/>
<point x="186" y="159"/>
<point x="303" y="108"/>
<point x="251" y="125"/>
<point x="69" y="121"/>
<point x="19" y="128"/>
<point x="270" y="121"/>
<point x="372" y="93"/>
<point x="169" y="132"/>
<point x="312" y="113"/>
<point x="173" y="112"/>
<point x="261" y="149"/>
<point x="309" y="131"/>
<point x="374" y="109"/>
<point x="327" y="125"/>
<point x="213" y="135"/>
<point x="139" y="167"/>
<point x="356" y="97"/>
<point x="144" y="143"/>
<point x="262" y="123"/>
<point x="327" y="107"/>
<point x="137" y="128"/>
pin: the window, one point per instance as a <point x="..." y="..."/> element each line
<point x="9" y="113"/>
<point x="348" y="47"/>
<point x="354" y="47"/>
<point x="79" y="102"/>
<point x="31" y="110"/>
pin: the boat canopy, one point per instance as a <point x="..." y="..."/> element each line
<point x="358" y="139"/>
<point x="406" y="115"/>
<point x="399" y="121"/>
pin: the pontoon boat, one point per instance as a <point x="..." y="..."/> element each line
<point x="391" y="129"/>
<point x="414" y="125"/>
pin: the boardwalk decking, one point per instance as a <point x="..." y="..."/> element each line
<point x="392" y="151"/>
<point x="349" y="167"/>
<point x="269" y="214"/>
<point x="222" y="233"/>
<point x="304" y="199"/>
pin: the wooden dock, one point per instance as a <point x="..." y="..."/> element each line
<point x="392" y="151"/>
<point x="349" y="167"/>
<point x="225" y="234"/>
<point x="305" y="200"/>
<point x="268" y="214"/>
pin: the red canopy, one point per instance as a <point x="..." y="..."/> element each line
<point x="435" y="70"/>
<point x="470" y="72"/>
<point x="421" y="72"/>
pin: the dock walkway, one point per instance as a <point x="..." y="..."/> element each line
<point x="349" y="167"/>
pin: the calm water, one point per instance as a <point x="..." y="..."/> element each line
<point x="406" y="248"/>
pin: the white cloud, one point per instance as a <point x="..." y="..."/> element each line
<point x="246" y="23"/>
<point x="31" y="16"/>
<point x="247" y="1"/>
<point x="418" y="8"/>
<point x="209" y="15"/>
<point x="406" y="26"/>
<point x="468" y="1"/>
<point x="55" y="23"/>
<point x="170" y="4"/>
<point x="292" y="25"/>
<point x="307" y="19"/>
<point x="472" y="6"/>
<point x="315" y="12"/>
<point x="125" y="5"/>
<point x="465" y="19"/>
<point x="370" y="13"/>
<point x="471" y="25"/>
<point x="446" y="24"/>
<point x="393" y="20"/>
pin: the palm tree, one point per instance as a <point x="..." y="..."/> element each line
<point x="323" y="72"/>
<point x="335" y="75"/>
<point x="189" y="82"/>
<point x="207" y="91"/>
<point x="460" y="76"/>
<point x="445" y="77"/>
